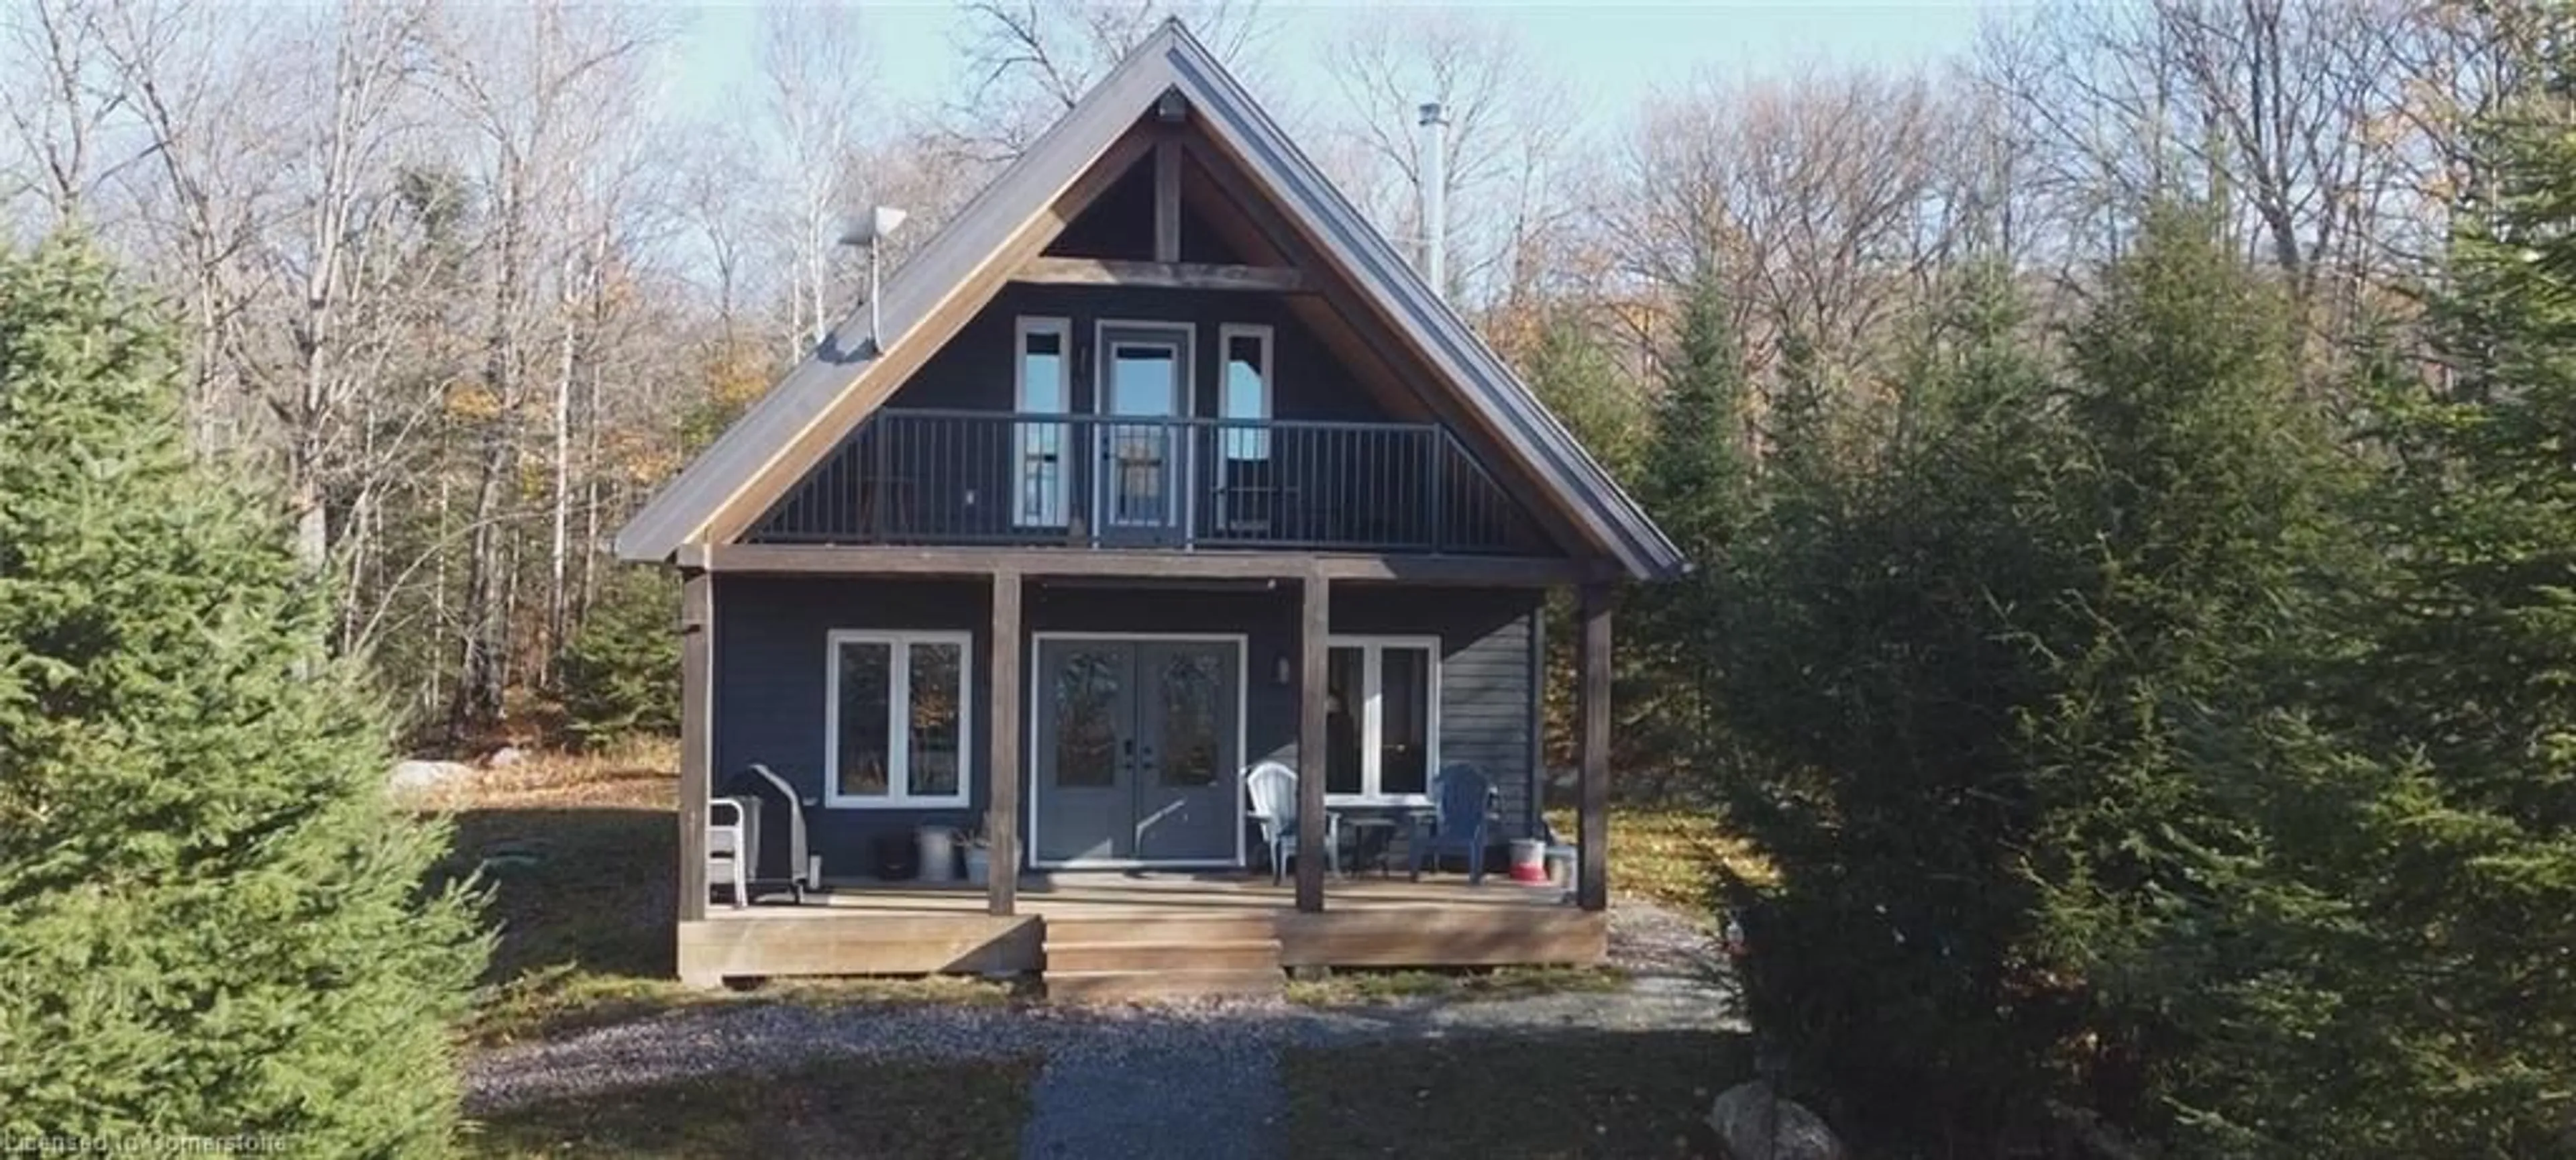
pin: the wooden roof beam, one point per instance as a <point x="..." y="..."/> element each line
<point x="1167" y="200"/>
<point x="1040" y="563"/>
<point x="1166" y="275"/>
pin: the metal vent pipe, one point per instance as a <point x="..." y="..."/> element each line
<point x="1435" y="198"/>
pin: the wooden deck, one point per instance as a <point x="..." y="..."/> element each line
<point x="1171" y="923"/>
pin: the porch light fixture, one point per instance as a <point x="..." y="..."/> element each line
<point x="1283" y="672"/>
<point x="869" y="231"/>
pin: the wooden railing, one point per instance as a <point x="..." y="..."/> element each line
<point x="978" y="477"/>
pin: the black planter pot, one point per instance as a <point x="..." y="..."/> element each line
<point x="896" y="858"/>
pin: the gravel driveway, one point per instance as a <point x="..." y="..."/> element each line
<point x="1179" y="1079"/>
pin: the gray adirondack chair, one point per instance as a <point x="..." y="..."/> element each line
<point x="1461" y="820"/>
<point x="1272" y="788"/>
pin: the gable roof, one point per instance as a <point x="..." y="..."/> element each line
<point x="753" y="447"/>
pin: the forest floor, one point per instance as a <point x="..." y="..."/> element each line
<point x="1527" y="1061"/>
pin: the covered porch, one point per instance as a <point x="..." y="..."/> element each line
<point x="1026" y="916"/>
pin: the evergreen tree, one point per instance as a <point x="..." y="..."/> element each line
<point x="1597" y="400"/>
<point x="1693" y="472"/>
<point x="211" y="921"/>
<point x="1800" y="417"/>
<point x="2469" y="694"/>
<point x="1694" y="476"/>
<point x="2216" y="513"/>
<point x="2027" y="710"/>
<point x="621" y="669"/>
<point x="2317" y="872"/>
<point x="1586" y="389"/>
<point x="1877" y="667"/>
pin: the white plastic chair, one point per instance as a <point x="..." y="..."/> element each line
<point x="729" y="848"/>
<point x="1272" y="789"/>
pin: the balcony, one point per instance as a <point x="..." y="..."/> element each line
<point x="919" y="477"/>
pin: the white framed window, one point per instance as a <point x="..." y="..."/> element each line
<point x="1243" y="388"/>
<point x="897" y="712"/>
<point x="1382" y="719"/>
<point x="1042" y="369"/>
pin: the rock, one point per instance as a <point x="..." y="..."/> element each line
<point x="1754" y="1123"/>
<point x="505" y="757"/>
<point x="417" y="776"/>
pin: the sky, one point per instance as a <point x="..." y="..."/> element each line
<point x="1611" y="55"/>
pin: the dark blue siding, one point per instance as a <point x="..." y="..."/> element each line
<point x="769" y="673"/>
<point x="1342" y="472"/>
<point x="1121" y="225"/>
<point x="975" y="372"/>
<point x="770" y="657"/>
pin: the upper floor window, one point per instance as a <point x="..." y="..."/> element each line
<point x="1044" y="371"/>
<point x="1244" y="389"/>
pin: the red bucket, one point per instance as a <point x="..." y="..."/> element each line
<point x="1529" y="861"/>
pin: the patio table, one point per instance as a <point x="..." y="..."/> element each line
<point x="1378" y="824"/>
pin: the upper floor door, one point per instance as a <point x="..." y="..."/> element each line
<point x="1142" y="485"/>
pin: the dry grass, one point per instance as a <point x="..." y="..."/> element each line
<point x="644" y="775"/>
<point x="1671" y="854"/>
<point x="580" y="852"/>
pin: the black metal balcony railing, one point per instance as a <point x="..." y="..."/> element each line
<point x="977" y="477"/>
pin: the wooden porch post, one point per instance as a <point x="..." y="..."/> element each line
<point x="697" y="735"/>
<point x="1314" y="626"/>
<point x="1592" y="822"/>
<point x="1002" y="803"/>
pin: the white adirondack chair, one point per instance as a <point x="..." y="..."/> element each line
<point x="1272" y="788"/>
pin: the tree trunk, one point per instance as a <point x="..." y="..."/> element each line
<point x="481" y="671"/>
<point x="559" y="543"/>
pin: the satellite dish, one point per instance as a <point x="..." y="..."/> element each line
<point x="872" y="227"/>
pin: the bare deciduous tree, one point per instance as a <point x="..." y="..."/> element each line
<point x="1027" y="61"/>
<point x="537" y="90"/>
<point x="817" y="69"/>
<point x="1510" y="128"/>
<point x="1820" y="202"/>
<point x="2287" y="116"/>
<point x="60" y="99"/>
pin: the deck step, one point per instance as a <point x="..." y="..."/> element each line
<point x="1208" y="955"/>
<point x="1116" y="986"/>
<point x="1163" y="928"/>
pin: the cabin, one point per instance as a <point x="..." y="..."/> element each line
<point x="1154" y="466"/>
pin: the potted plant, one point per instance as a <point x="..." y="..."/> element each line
<point x="979" y="856"/>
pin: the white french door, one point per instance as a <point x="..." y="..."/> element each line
<point x="1142" y="476"/>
